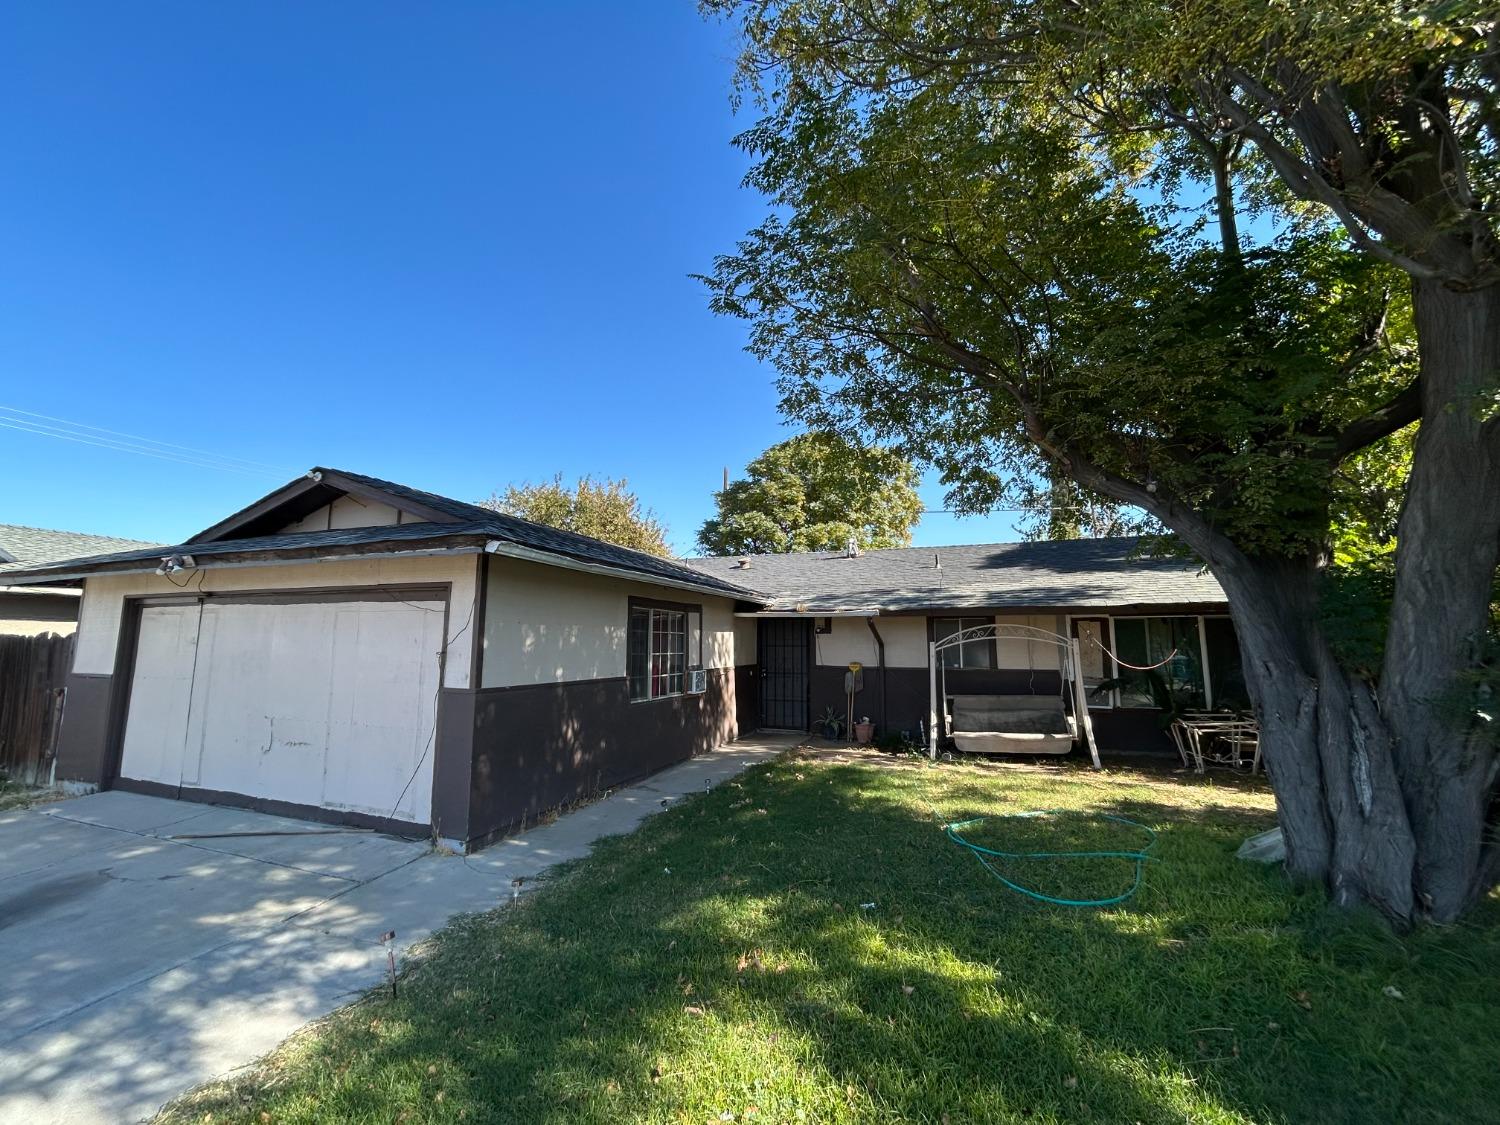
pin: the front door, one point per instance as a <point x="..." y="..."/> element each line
<point x="785" y="647"/>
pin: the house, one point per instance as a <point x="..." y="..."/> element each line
<point x="884" y="609"/>
<point x="28" y="610"/>
<point x="354" y="650"/>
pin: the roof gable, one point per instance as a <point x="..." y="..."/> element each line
<point x="279" y="511"/>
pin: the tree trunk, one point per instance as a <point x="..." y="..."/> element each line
<point x="1448" y="546"/>
<point x="1326" y="747"/>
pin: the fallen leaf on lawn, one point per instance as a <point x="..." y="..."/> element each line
<point x="1273" y="1026"/>
<point x="613" y="1087"/>
<point x="1071" y="1081"/>
<point x="908" y="988"/>
<point x="1393" y="992"/>
<point x="781" y="968"/>
<point x="432" y="1068"/>
<point x="1303" y="999"/>
<point x="692" y="1009"/>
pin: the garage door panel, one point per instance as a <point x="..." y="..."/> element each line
<point x="317" y="703"/>
<point x="375" y="749"/>
<point x="161" y="695"/>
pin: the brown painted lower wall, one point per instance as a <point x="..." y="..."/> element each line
<point x="1122" y="729"/>
<point x="540" y="746"/>
<point x="1132" y="729"/>
<point x="83" y="741"/>
<point x="906" y="692"/>
<point x="747" y="697"/>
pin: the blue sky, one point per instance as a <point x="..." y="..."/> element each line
<point x="446" y="244"/>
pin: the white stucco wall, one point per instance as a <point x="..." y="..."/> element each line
<point x="104" y="598"/>
<point x="905" y="642"/>
<point x="544" y="624"/>
<point x="746" y="638"/>
<point x="1036" y="656"/>
<point x="346" y="511"/>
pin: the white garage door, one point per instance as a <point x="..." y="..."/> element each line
<point x="319" y="703"/>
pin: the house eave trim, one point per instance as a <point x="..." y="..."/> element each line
<point x="210" y="563"/>
<point x="567" y="562"/>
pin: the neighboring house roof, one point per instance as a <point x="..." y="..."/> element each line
<point x="36" y="546"/>
<point x="1100" y="573"/>
<point x="458" y="525"/>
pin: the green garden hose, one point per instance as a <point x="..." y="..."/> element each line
<point x="982" y="853"/>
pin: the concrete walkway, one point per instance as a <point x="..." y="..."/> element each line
<point x="150" y="945"/>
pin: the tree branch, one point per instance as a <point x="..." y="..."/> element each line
<point x="1396" y="414"/>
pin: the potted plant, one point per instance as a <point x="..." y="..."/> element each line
<point x="830" y="726"/>
<point x="864" y="730"/>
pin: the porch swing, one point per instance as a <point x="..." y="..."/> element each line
<point x="1010" y="723"/>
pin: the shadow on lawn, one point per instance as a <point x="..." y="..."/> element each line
<point x="721" y="959"/>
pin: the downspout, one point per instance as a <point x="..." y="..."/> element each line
<point x="880" y="657"/>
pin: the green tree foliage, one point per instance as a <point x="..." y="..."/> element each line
<point x="597" y="506"/>
<point x="815" y="492"/>
<point x="1203" y="261"/>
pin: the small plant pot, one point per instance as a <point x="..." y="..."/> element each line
<point x="863" y="733"/>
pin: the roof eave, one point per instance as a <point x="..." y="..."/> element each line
<point x="568" y="562"/>
<point x="278" y="556"/>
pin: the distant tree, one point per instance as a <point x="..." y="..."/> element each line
<point x="813" y="493"/>
<point x="598" y="506"/>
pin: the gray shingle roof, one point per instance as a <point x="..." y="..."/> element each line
<point x="37" y="546"/>
<point x="1098" y="573"/>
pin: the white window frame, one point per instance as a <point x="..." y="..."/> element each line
<point x="685" y="615"/>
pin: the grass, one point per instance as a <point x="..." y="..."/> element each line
<point x="718" y="965"/>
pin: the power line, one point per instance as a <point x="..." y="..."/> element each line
<point x="13" y="418"/>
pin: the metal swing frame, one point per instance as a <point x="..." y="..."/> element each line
<point x="1070" y="666"/>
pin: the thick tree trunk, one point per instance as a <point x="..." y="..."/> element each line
<point x="1326" y="747"/>
<point x="1448" y="548"/>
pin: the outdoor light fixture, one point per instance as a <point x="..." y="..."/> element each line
<point x="171" y="564"/>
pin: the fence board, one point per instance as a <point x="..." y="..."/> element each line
<point x="33" y="671"/>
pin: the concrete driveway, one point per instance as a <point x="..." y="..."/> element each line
<point x="150" y="945"/>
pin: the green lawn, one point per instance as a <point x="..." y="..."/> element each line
<point x="719" y="966"/>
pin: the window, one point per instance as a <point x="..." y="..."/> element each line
<point x="657" y="650"/>
<point x="1093" y="639"/>
<point x="965" y="654"/>
<point x="1226" y="678"/>
<point x="1145" y="641"/>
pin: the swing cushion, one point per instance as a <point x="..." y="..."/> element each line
<point x="1010" y="724"/>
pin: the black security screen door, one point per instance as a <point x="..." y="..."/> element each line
<point x="785" y="645"/>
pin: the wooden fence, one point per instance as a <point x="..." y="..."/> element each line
<point x="32" y="673"/>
